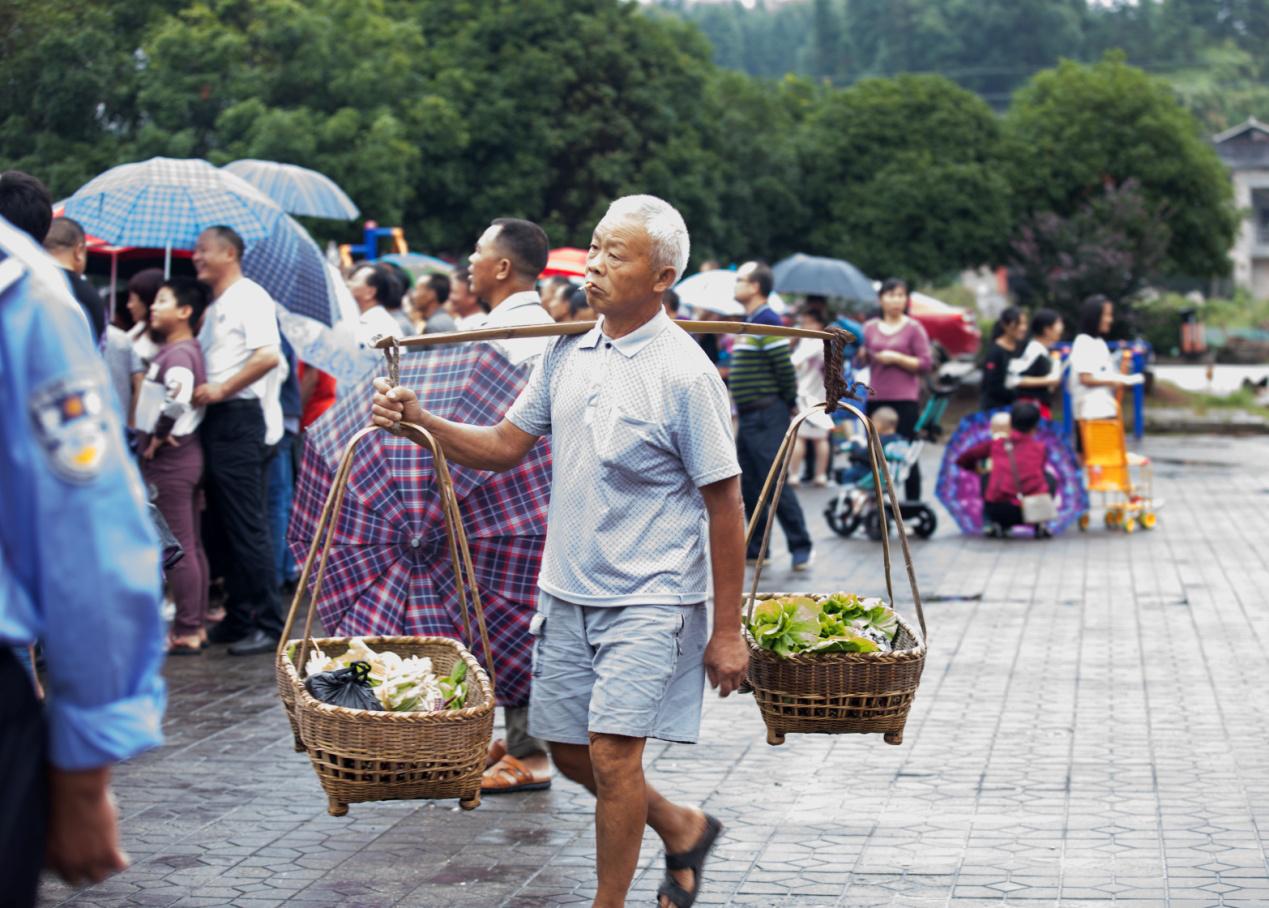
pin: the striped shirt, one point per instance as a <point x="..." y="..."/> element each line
<point x="761" y="366"/>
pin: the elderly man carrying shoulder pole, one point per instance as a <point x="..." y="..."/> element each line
<point x="644" y="459"/>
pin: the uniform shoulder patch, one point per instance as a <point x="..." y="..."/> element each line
<point x="71" y="424"/>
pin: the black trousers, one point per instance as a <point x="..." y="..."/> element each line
<point x="23" y="784"/>
<point x="757" y="442"/>
<point x="237" y="525"/>
<point x="908" y="411"/>
<point x="1004" y="513"/>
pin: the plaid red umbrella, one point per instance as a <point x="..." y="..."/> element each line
<point x="389" y="570"/>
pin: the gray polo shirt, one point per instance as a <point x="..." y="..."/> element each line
<point x="637" y="425"/>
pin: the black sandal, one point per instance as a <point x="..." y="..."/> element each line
<point x="693" y="860"/>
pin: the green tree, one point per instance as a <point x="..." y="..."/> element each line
<point x="1076" y="128"/>
<point x="904" y="176"/>
<point x="1113" y="244"/>
<point x="1225" y="88"/>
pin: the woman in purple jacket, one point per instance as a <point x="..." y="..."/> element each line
<point x="897" y="351"/>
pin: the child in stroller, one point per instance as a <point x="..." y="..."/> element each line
<point x="854" y="502"/>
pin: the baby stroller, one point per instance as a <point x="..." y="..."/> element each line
<point x="853" y="503"/>
<point x="1109" y="469"/>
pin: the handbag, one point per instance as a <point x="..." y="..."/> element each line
<point x="1036" y="509"/>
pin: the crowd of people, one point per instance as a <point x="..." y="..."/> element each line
<point x="656" y="434"/>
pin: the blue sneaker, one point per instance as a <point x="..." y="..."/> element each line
<point x="802" y="560"/>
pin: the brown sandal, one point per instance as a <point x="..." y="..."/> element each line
<point x="509" y="775"/>
<point x="497" y="750"/>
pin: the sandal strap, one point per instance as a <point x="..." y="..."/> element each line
<point x="694" y="858"/>
<point x="513" y="770"/>
<point x="678" y="896"/>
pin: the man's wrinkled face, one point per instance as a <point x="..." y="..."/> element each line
<point x="620" y="274"/>
<point x="213" y="257"/>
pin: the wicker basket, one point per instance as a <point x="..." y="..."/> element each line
<point x="837" y="693"/>
<point x="367" y="755"/>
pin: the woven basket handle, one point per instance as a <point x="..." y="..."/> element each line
<point x="774" y="487"/>
<point x="456" y="536"/>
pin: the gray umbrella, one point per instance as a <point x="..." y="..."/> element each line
<point x="813" y="275"/>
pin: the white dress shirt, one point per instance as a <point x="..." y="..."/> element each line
<point x="240" y="321"/>
<point x="374" y="322"/>
<point x="518" y="310"/>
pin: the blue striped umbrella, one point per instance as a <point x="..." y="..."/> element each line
<point x="167" y="202"/>
<point x="289" y="264"/>
<point x="297" y="189"/>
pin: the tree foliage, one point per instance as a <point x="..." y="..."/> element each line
<point x="1074" y="129"/>
<point x="909" y="177"/>
<point x="992" y="47"/>
<point x="1113" y="244"/>
<point x="439" y="115"/>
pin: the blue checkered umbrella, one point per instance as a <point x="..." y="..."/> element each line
<point x="167" y="202"/>
<point x="289" y="264"/>
<point x="297" y="189"/>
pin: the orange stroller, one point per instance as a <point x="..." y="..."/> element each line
<point x="1121" y="480"/>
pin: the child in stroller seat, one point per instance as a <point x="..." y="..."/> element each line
<point x="854" y="502"/>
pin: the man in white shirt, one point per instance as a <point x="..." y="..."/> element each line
<point x="240" y="342"/>
<point x="464" y="305"/>
<point x="509" y="256"/>
<point x="370" y="287"/>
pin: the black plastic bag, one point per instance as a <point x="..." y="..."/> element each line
<point x="345" y="687"/>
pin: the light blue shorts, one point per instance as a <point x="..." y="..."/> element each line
<point x="634" y="670"/>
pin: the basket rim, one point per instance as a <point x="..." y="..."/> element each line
<point x="306" y="700"/>
<point x="911" y="654"/>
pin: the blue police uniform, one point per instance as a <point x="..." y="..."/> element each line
<point x="79" y="558"/>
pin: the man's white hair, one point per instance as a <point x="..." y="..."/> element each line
<point x="670" y="243"/>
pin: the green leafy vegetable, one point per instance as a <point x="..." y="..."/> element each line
<point x="842" y="622"/>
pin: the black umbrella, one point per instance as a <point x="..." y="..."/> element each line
<point x="813" y="275"/>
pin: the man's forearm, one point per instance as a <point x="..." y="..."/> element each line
<point x="727" y="561"/>
<point x="477" y="447"/>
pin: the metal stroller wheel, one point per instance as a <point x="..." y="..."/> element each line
<point x="872" y="525"/>
<point x="926" y="522"/>
<point x="841" y="515"/>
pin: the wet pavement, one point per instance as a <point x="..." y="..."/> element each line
<point x="1091" y="729"/>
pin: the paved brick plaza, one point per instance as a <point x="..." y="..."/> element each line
<point x="1093" y="727"/>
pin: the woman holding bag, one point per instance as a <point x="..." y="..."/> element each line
<point x="1017" y="472"/>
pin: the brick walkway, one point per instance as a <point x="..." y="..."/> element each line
<point x="1093" y="727"/>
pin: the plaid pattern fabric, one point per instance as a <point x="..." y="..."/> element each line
<point x="289" y="264"/>
<point x="389" y="570"/>
<point x="297" y="190"/>
<point x="169" y="202"/>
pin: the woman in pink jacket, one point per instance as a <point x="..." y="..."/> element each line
<point x="897" y="351"/>
<point x="1017" y="469"/>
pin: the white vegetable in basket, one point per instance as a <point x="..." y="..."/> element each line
<point x="319" y="662"/>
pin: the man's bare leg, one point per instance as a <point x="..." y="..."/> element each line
<point x="625" y="803"/>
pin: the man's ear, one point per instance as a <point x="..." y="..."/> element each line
<point x="664" y="280"/>
<point x="505" y="269"/>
